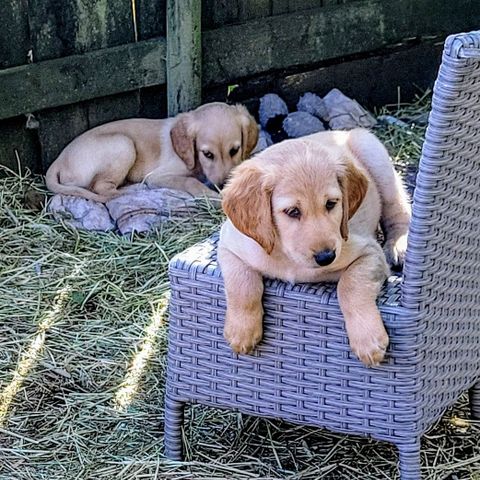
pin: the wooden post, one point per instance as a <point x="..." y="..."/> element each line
<point x="184" y="55"/>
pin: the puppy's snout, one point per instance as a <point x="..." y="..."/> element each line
<point x="325" y="257"/>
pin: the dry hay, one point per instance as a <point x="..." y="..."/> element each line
<point x="82" y="364"/>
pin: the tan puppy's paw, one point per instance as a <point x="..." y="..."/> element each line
<point x="370" y="347"/>
<point x="243" y="332"/>
<point x="395" y="251"/>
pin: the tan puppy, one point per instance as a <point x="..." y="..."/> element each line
<point x="307" y="210"/>
<point x="174" y="152"/>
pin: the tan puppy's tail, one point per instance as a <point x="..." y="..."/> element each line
<point x="52" y="181"/>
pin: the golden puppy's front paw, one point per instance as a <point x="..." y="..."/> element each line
<point x="370" y="347"/>
<point x="395" y="251"/>
<point x="243" y="332"/>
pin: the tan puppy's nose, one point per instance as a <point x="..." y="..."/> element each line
<point x="325" y="257"/>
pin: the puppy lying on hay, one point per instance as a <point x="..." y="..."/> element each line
<point x="307" y="210"/>
<point x="179" y="153"/>
<point x="147" y="171"/>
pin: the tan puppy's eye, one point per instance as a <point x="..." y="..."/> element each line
<point x="330" y="204"/>
<point x="293" y="212"/>
<point x="208" y="154"/>
<point x="234" y="151"/>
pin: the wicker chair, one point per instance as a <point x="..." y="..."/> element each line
<point x="303" y="371"/>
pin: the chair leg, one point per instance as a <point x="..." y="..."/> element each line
<point x="474" y="396"/>
<point x="409" y="464"/>
<point x="173" y="429"/>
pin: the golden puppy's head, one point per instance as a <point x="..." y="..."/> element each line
<point x="297" y="197"/>
<point x="214" y="138"/>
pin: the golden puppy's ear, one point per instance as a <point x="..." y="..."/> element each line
<point x="246" y="202"/>
<point x="249" y="131"/>
<point x="354" y="185"/>
<point x="183" y="139"/>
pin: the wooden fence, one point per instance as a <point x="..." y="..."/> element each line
<point x="68" y="65"/>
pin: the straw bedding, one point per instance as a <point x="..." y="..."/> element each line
<point x="82" y="362"/>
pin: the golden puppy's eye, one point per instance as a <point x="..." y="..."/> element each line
<point x="330" y="204"/>
<point x="293" y="212"/>
<point x="208" y="154"/>
<point x="234" y="151"/>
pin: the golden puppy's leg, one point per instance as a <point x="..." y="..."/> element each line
<point x="358" y="289"/>
<point x="396" y="210"/>
<point x="244" y="289"/>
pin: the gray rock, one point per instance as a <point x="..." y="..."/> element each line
<point x="343" y="113"/>
<point x="80" y="213"/>
<point x="313" y="104"/>
<point x="271" y="105"/>
<point x="299" y="124"/>
<point x="264" y="141"/>
<point x="140" y="209"/>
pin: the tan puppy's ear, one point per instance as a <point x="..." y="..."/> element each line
<point x="183" y="139"/>
<point x="246" y="202"/>
<point x="249" y="131"/>
<point x="354" y="185"/>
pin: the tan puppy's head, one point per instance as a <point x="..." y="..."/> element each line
<point x="297" y="197"/>
<point x="214" y="138"/>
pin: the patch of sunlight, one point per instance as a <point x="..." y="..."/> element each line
<point x="29" y="359"/>
<point x="129" y="387"/>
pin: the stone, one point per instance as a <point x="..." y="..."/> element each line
<point x="343" y="113"/>
<point x="264" y="141"/>
<point x="80" y="213"/>
<point x="313" y="104"/>
<point x="140" y="208"/>
<point x="271" y="112"/>
<point x="299" y="124"/>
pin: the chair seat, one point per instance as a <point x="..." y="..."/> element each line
<point x="303" y="370"/>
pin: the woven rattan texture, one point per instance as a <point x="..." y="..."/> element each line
<point x="303" y="371"/>
<point x="442" y="272"/>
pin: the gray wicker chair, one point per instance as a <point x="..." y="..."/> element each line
<point x="303" y="371"/>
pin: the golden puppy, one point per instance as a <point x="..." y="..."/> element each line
<point x="307" y="210"/>
<point x="178" y="153"/>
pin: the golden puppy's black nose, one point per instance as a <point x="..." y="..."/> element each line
<point x="325" y="257"/>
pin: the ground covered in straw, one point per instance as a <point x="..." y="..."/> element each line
<point x="82" y="363"/>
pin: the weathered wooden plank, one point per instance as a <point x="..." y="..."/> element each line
<point x="14" y="37"/>
<point x="114" y="107"/>
<point x="154" y="102"/>
<point x="64" y="28"/>
<point x="280" y="6"/>
<point x="374" y="81"/>
<point x="15" y="140"/>
<point x="218" y="13"/>
<point x="309" y="37"/>
<point x="74" y="27"/>
<point x="58" y="127"/>
<point x="151" y="19"/>
<point x="151" y="15"/>
<point x="14" y="49"/>
<point x="80" y="77"/>
<point x="250" y="9"/>
<point x="184" y="55"/>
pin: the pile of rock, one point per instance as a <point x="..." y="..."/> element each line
<point x="139" y="209"/>
<point x="335" y="111"/>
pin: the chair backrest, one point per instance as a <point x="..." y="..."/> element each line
<point x="442" y="268"/>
